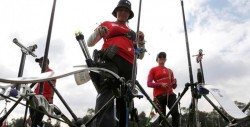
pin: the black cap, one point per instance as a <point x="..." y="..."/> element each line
<point x="126" y="4"/>
<point x="161" y="54"/>
<point x="41" y="59"/>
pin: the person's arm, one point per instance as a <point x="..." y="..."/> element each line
<point x="174" y="85"/>
<point x="51" y="96"/>
<point x="173" y="80"/>
<point x="152" y="84"/>
<point x="97" y="35"/>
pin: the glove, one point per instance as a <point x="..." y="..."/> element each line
<point x="102" y="30"/>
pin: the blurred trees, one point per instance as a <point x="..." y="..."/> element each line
<point x="207" y="119"/>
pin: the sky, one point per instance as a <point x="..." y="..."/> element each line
<point x="219" y="27"/>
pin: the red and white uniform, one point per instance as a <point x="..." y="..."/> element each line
<point x="116" y="36"/>
<point x="47" y="90"/>
<point x="158" y="75"/>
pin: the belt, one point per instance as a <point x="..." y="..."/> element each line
<point x="162" y="95"/>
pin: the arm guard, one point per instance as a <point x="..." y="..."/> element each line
<point x="94" y="38"/>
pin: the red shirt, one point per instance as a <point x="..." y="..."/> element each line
<point x="158" y="75"/>
<point x="47" y="90"/>
<point x="115" y="36"/>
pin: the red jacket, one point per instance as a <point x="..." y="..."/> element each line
<point x="47" y="90"/>
<point x="158" y="75"/>
<point x="115" y="36"/>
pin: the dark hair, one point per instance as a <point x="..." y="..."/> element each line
<point x="41" y="59"/>
<point x="126" y="4"/>
<point x="161" y="54"/>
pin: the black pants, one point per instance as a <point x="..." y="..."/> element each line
<point x="163" y="101"/>
<point x="107" y="118"/>
<point x="36" y="118"/>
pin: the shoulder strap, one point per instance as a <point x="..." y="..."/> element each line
<point x="169" y="73"/>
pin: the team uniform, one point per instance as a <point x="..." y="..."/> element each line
<point x="118" y="36"/>
<point x="162" y="95"/>
<point x="48" y="94"/>
<point x="47" y="90"/>
<point x="121" y="64"/>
